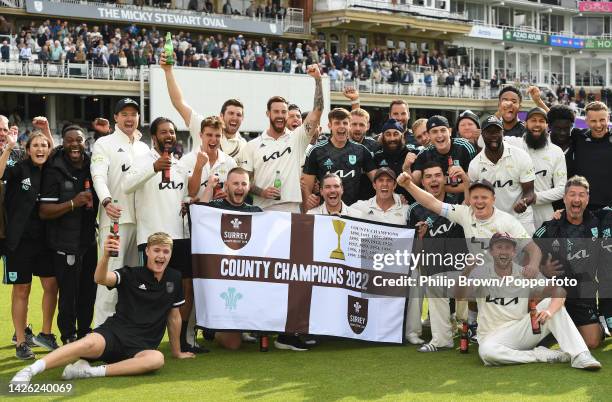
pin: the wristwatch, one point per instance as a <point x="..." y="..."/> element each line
<point x="106" y="201"/>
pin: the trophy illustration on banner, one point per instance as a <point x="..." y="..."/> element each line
<point x="339" y="225"/>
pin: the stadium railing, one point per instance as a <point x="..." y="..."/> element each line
<point x="89" y="71"/>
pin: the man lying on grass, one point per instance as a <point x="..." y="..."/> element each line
<point x="148" y="298"/>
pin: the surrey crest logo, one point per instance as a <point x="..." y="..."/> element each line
<point x="26" y="184"/>
<point x="231" y="298"/>
<point x="38" y="6"/>
<point x="235" y="230"/>
<point x="357" y="313"/>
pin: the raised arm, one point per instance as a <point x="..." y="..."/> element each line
<point x="352" y="94"/>
<point x="311" y="123"/>
<point x="41" y="123"/>
<point x="175" y="93"/>
<point x="534" y="93"/>
<point x="102" y="276"/>
<point x="6" y="153"/>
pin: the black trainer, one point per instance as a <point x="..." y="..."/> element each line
<point x="46" y="341"/>
<point x="70" y="339"/>
<point x="290" y="342"/>
<point x="310" y="340"/>
<point x="472" y="332"/>
<point x="23" y="352"/>
<point x="29" y="337"/>
<point x="197" y="349"/>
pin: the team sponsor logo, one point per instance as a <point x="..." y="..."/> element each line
<point x="499" y="184"/>
<point x="235" y="230"/>
<point x="142" y="286"/>
<point x="357" y="313"/>
<point x="555" y="246"/>
<point x="276" y="154"/>
<point x="169" y="287"/>
<point x="125" y="168"/>
<point x="595" y="232"/>
<point x="171" y="185"/>
<point x="541" y="172"/>
<point x="26" y="184"/>
<point x="328" y="164"/>
<point x="231" y="298"/>
<point x="344" y="174"/>
<point x="352" y="159"/>
<point x="68" y="185"/>
<point x="500" y="301"/>
<point x="383" y="163"/>
<point x="606" y="233"/>
<point x="120" y="150"/>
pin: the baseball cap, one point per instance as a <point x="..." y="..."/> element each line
<point x="437" y="121"/>
<point x="393" y="124"/>
<point x="468" y="114"/>
<point x="384" y="170"/>
<point x="125" y="102"/>
<point x="491" y="121"/>
<point x="482" y="184"/>
<point x="537" y="110"/>
<point x="502" y="236"/>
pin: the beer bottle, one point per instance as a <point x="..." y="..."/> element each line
<point x="453" y="181"/>
<point x="166" y="172"/>
<point x="464" y="343"/>
<point x="218" y="188"/>
<point x="263" y="342"/>
<point x="533" y="313"/>
<point x="115" y="232"/>
<point x="277" y="184"/>
<point x="169" y="49"/>
<point x="87" y="187"/>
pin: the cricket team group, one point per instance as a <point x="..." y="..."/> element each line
<point x="107" y="233"/>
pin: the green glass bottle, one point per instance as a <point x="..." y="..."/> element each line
<point x="277" y="184"/>
<point x="169" y="49"/>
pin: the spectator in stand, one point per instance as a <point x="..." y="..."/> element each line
<point x="5" y="51"/>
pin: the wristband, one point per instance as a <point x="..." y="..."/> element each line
<point x="355" y="102"/>
<point x="71" y="205"/>
<point x="106" y="201"/>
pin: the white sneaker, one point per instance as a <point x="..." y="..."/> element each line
<point x="248" y="337"/>
<point x="414" y="339"/>
<point x="79" y="369"/>
<point x="23" y="376"/>
<point x="585" y="361"/>
<point x="545" y="355"/>
<point x="428" y="347"/>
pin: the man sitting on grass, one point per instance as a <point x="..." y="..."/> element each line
<point x="506" y="332"/>
<point x="149" y="297"/>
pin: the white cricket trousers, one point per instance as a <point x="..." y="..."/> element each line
<point x="415" y="307"/>
<point x="515" y="343"/>
<point x="128" y="255"/>
<point x="439" y="312"/>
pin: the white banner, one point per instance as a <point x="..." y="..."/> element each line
<point x="479" y="31"/>
<point x="282" y="272"/>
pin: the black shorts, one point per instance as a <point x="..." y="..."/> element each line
<point x="583" y="311"/>
<point x="31" y="257"/>
<point x="180" y="260"/>
<point x="114" y="351"/>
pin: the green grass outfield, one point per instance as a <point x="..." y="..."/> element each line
<point x="334" y="370"/>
